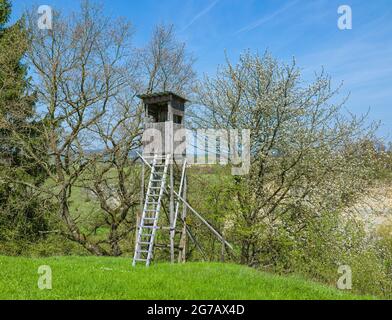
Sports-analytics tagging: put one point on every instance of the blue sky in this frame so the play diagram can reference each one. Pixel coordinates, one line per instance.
(304, 29)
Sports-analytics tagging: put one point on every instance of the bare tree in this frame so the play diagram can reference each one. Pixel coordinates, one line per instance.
(113, 177)
(166, 65)
(84, 70)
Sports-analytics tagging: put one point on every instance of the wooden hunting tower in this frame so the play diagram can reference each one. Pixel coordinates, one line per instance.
(166, 187)
(164, 112)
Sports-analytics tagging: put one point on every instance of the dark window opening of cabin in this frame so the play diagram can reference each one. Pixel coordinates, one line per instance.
(157, 113)
(177, 119)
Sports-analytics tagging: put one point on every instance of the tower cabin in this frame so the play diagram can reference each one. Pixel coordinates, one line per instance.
(163, 111)
(164, 106)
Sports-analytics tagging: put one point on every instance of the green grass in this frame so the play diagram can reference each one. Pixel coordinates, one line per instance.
(114, 278)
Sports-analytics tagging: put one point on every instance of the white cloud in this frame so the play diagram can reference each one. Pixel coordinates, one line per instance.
(267, 18)
(200, 14)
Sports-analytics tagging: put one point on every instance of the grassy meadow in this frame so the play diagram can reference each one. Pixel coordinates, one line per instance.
(115, 278)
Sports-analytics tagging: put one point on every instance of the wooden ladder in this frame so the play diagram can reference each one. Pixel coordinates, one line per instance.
(149, 221)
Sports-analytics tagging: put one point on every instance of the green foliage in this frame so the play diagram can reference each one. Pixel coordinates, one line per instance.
(46, 246)
(209, 192)
(5, 11)
(328, 240)
(23, 215)
(114, 278)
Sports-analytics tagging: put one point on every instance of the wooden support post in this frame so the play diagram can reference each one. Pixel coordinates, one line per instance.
(169, 139)
(223, 252)
(142, 192)
(142, 175)
(182, 253)
(172, 231)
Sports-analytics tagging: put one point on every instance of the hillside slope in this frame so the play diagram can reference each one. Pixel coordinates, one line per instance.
(114, 278)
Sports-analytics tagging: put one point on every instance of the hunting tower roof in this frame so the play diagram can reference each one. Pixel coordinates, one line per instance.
(164, 96)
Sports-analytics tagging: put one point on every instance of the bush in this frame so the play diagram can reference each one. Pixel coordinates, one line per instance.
(315, 250)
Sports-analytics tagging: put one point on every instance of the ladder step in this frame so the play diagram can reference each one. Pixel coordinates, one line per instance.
(147, 218)
(144, 242)
(150, 227)
(152, 202)
(143, 251)
(140, 259)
